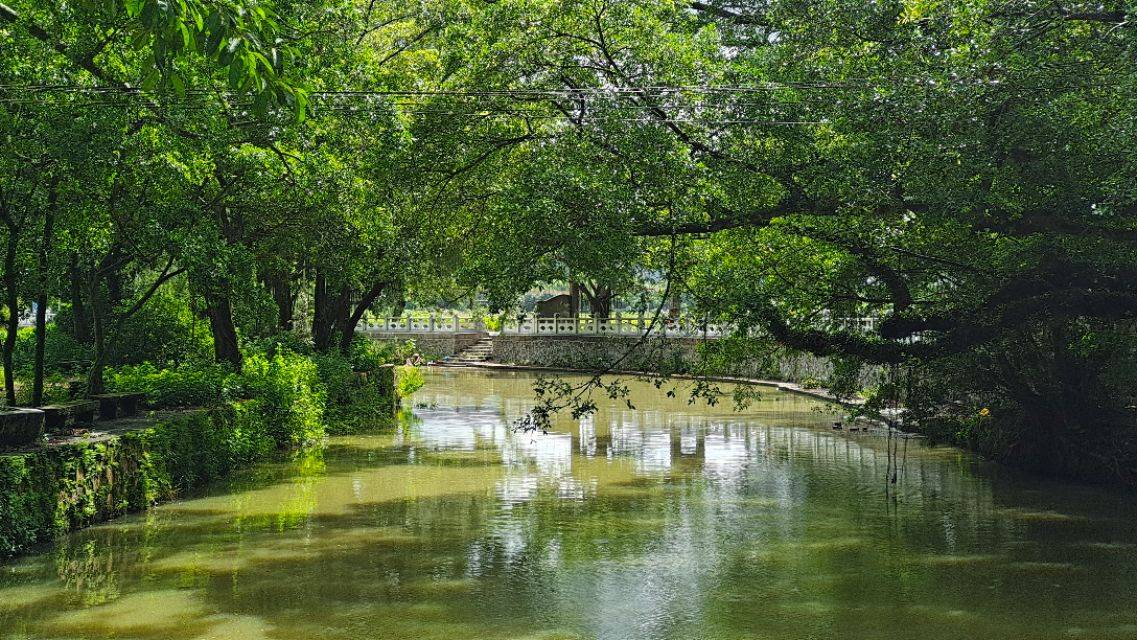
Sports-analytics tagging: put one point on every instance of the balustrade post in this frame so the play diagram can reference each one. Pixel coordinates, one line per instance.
(619, 323)
(643, 327)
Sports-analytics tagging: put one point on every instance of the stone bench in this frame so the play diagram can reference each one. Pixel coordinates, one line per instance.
(118, 405)
(20, 427)
(69, 414)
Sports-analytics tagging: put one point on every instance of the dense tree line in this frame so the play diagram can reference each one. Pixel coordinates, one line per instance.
(152, 146)
(958, 173)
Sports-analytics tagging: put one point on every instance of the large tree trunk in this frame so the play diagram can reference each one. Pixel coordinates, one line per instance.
(280, 286)
(333, 307)
(574, 298)
(226, 349)
(347, 333)
(321, 323)
(95, 383)
(41, 301)
(13, 303)
(599, 301)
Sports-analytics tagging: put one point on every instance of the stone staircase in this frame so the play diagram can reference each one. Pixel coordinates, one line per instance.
(480, 351)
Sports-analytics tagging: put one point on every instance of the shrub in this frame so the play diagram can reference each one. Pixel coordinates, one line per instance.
(368, 355)
(286, 341)
(191, 384)
(290, 396)
(494, 322)
(335, 373)
(408, 380)
(61, 351)
(250, 438)
(164, 331)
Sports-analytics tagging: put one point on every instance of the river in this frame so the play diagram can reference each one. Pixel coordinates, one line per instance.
(668, 520)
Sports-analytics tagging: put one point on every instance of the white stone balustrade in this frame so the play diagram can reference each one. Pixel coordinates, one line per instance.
(618, 324)
(529, 324)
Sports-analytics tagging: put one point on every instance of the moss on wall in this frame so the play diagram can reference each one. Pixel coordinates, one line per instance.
(62, 488)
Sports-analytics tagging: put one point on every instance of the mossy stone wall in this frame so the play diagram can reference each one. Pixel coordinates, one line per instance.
(61, 488)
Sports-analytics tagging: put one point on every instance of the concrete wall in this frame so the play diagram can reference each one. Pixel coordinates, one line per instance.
(663, 355)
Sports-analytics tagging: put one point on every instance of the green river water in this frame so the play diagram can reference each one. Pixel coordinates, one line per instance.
(669, 521)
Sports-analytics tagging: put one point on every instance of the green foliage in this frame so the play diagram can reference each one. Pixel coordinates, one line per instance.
(62, 353)
(336, 374)
(283, 341)
(369, 355)
(55, 490)
(286, 389)
(190, 384)
(164, 331)
(289, 395)
(844, 381)
(408, 379)
(27, 502)
(494, 322)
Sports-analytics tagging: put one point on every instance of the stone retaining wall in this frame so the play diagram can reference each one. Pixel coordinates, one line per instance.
(658, 355)
(58, 488)
(435, 345)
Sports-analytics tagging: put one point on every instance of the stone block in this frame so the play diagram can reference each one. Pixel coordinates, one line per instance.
(20, 427)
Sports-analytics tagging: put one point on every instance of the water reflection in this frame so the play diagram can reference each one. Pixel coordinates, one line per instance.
(670, 521)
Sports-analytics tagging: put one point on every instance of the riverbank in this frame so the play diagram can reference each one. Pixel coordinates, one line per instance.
(275, 404)
(134, 464)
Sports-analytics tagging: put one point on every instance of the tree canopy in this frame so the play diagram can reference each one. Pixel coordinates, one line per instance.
(956, 177)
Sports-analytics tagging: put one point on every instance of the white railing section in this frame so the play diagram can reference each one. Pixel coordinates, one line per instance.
(530, 324)
(618, 324)
(431, 324)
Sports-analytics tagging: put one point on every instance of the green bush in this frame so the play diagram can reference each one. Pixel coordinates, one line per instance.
(494, 322)
(335, 372)
(191, 384)
(408, 380)
(286, 341)
(368, 355)
(60, 355)
(164, 331)
(289, 394)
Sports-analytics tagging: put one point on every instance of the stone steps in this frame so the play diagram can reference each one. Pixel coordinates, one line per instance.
(480, 351)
